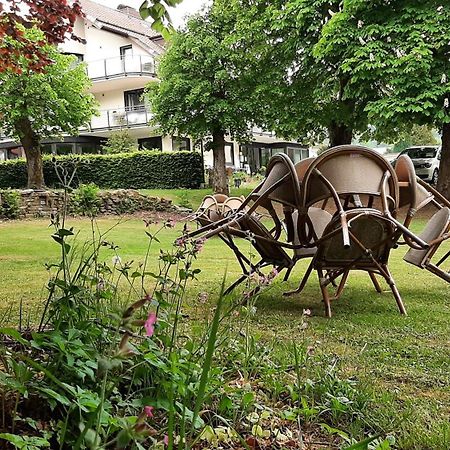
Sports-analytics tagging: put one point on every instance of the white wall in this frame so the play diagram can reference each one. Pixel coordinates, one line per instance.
(103, 44)
(100, 43)
(110, 100)
(72, 46)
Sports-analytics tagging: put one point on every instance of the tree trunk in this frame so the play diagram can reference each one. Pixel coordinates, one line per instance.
(31, 145)
(443, 185)
(220, 179)
(339, 134)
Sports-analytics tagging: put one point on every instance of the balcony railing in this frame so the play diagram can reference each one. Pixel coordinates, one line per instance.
(121, 117)
(121, 66)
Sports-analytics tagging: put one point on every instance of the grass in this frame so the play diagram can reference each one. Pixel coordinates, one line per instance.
(404, 362)
(194, 196)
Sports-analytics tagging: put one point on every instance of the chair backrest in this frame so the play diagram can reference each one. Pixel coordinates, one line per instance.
(232, 204)
(350, 170)
(280, 184)
(302, 166)
(208, 211)
(411, 193)
(437, 226)
(220, 198)
(372, 231)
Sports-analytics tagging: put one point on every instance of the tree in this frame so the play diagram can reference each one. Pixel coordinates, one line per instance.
(55, 19)
(157, 10)
(405, 54)
(37, 105)
(307, 95)
(416, 135)
(205, 89)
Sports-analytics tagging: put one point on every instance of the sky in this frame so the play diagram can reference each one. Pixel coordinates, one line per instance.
(177, 14)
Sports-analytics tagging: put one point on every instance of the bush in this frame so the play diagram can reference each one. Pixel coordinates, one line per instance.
(85, 199)
(9, 204)
(137, 170)
(120, 142)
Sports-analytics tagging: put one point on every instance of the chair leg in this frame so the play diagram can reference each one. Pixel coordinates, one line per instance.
(288, 273)
(302, 283)
(235, 284)
(340, 289)
(325, 295)
(375, 282)
(394, 290)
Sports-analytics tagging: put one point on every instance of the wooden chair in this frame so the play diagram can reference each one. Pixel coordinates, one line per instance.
(360, 186)
(372, 236)
(435, 233)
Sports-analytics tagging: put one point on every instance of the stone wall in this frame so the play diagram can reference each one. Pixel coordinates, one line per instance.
(40, 203)
(117, 202)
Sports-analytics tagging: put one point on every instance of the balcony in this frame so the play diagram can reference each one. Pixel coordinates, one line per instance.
(111, 119)
(127, 72)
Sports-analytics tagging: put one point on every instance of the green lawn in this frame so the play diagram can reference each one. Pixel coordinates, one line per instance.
(194, 196)
(403, 361)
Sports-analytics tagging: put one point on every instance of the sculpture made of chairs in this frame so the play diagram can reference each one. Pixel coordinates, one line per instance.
(340, 210)
(360, 189)
(279, 189)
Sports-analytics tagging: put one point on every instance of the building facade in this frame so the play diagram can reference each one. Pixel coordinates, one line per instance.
(120, 51)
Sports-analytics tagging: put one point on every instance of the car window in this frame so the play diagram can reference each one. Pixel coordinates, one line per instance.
(422, 152)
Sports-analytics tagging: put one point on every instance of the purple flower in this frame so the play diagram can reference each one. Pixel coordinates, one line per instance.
(181, 242)
(199, 243)
(273, 273)
(166, 440)
(148, 411)
(150, 324)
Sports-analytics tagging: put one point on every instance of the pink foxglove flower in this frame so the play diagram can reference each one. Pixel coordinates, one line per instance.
(150, 324)
(166, 440)
(148, 411)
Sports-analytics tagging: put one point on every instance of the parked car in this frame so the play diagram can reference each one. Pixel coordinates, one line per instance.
(426, 159)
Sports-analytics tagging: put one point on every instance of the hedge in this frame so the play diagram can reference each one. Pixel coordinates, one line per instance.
(137, 170)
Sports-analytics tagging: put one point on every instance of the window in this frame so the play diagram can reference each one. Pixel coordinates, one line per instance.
(13, 153)
(297, 154)
(266, 154)
(134, 100)
(126, 50)
(47, 149)
(151, 143)
(229, 154)
(179, 144)
(64, 149)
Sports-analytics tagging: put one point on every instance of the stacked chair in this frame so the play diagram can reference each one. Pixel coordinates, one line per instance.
(339, 210)
(415, 194)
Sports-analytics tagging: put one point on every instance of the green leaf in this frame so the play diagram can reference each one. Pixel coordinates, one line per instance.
(363, 445)
(13, 333)
(50, 393)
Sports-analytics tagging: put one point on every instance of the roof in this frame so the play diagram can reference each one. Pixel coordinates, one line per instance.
(122, 23)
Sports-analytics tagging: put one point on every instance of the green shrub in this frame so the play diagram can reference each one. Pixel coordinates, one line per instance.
(85, 199)
(120, 142)
(137, 170)
(9, 204)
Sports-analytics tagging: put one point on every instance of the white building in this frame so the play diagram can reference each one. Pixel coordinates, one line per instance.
(120, 51)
